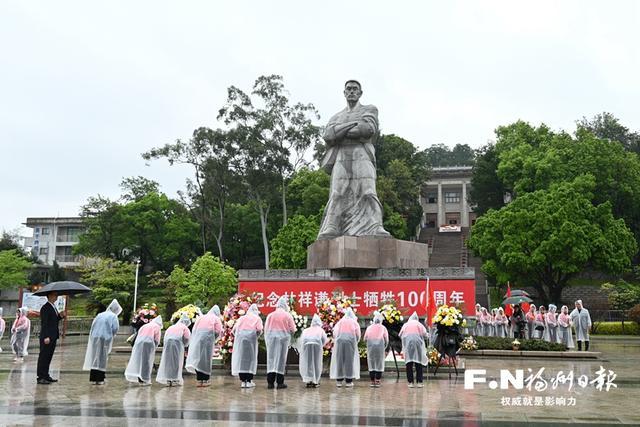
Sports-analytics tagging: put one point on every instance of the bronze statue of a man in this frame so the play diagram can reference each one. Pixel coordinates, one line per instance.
(353, 208)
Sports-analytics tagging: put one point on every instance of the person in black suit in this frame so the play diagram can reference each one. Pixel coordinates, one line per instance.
(49, 334)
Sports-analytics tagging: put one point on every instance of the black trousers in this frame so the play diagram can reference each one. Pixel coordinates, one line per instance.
(201, 376)
(419, 372)
(96, 375)
(375, 375)
(244, 377)
(44, 358)
(273, 377)
(586, 346)
(348, 380)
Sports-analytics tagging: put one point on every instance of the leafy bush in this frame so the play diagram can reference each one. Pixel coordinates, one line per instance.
(615, 328)
(497, 343)
(289, 247)
(209, 281)
(622, 295)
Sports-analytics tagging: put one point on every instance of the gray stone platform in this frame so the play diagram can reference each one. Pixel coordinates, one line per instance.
(379, 274)
(350, 252)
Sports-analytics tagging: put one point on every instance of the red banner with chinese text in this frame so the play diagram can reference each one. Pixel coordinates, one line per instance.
(408, 294)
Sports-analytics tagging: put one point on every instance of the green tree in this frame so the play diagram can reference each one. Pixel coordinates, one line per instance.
(289, 247)
(308, 192)
(209, 281)
(622, 295)
(135, 188)
(607, 126)
(14, 269)
(544, 238)
(441, 155)
(11, 240)
(109, 279)
(259, 159)
(243, 241)
(157, 230)
(487, 190)
(401, 170)
(161, 280)
(210, 153)
(395, 224)
(288, 127)
(536, 158)
(57, 274)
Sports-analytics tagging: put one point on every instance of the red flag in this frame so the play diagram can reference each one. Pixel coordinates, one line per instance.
(508, 310)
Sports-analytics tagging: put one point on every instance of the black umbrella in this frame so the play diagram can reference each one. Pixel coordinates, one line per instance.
(62, 288)
(518, 292)
(517, 299)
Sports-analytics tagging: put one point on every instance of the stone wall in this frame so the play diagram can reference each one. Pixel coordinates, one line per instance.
(592, 297)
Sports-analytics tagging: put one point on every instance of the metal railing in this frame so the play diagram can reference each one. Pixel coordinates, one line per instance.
(67, 258)
(68, 238)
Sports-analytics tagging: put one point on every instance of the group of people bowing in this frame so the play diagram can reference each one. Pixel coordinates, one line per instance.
(278, 330)
(536, 323)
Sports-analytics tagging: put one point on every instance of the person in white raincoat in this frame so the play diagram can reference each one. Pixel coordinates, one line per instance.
(345, 359)
(582, 323)
(205, 333)
(501, 322)
(20, 331)
(103, 329)
(244, 359)
(485, 322)
(565, 335)
(2, 326)
(551, 333)
(176, 338)
(531, 319)
(143, 353)
(377, 338)
(478, 332)
(310, 345)
(278, 329)
(414, 350)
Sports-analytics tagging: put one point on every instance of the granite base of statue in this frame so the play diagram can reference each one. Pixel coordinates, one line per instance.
(366, 252)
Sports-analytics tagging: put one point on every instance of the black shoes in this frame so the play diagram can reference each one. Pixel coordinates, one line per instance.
(52, 380)
(281, 386)
(43, 381)
(270, 386)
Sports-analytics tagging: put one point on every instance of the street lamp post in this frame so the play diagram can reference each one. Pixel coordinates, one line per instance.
(135, 290)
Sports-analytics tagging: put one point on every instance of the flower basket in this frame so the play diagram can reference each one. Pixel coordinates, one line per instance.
(392, 320)
(515, 345)
(192, 311)
(143, 315)
(330, 312)
(236, 307)
(448, 321)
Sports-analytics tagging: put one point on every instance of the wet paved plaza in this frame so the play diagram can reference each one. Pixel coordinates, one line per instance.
(443, 402)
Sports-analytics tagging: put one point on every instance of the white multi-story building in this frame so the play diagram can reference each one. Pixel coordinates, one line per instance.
(444, 198)
(54, 238)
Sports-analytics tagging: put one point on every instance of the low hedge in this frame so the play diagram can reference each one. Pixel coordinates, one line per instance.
(615, 328)
(496, 343)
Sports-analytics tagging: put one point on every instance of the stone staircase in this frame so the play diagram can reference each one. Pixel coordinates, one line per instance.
(450, 250)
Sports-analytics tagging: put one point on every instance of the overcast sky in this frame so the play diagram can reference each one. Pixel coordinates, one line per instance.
(85, 87)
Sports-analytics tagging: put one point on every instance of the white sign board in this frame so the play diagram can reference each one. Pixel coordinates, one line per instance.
(450, 229)
(35, 303)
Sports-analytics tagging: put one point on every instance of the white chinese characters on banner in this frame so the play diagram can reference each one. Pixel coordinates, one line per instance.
(366, 296)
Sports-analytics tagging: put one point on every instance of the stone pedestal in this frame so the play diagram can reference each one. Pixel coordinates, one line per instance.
(355, 253)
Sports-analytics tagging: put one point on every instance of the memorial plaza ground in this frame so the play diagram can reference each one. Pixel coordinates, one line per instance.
(443, 402)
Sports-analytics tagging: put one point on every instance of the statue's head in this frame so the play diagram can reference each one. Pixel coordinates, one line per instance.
(352, 90)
